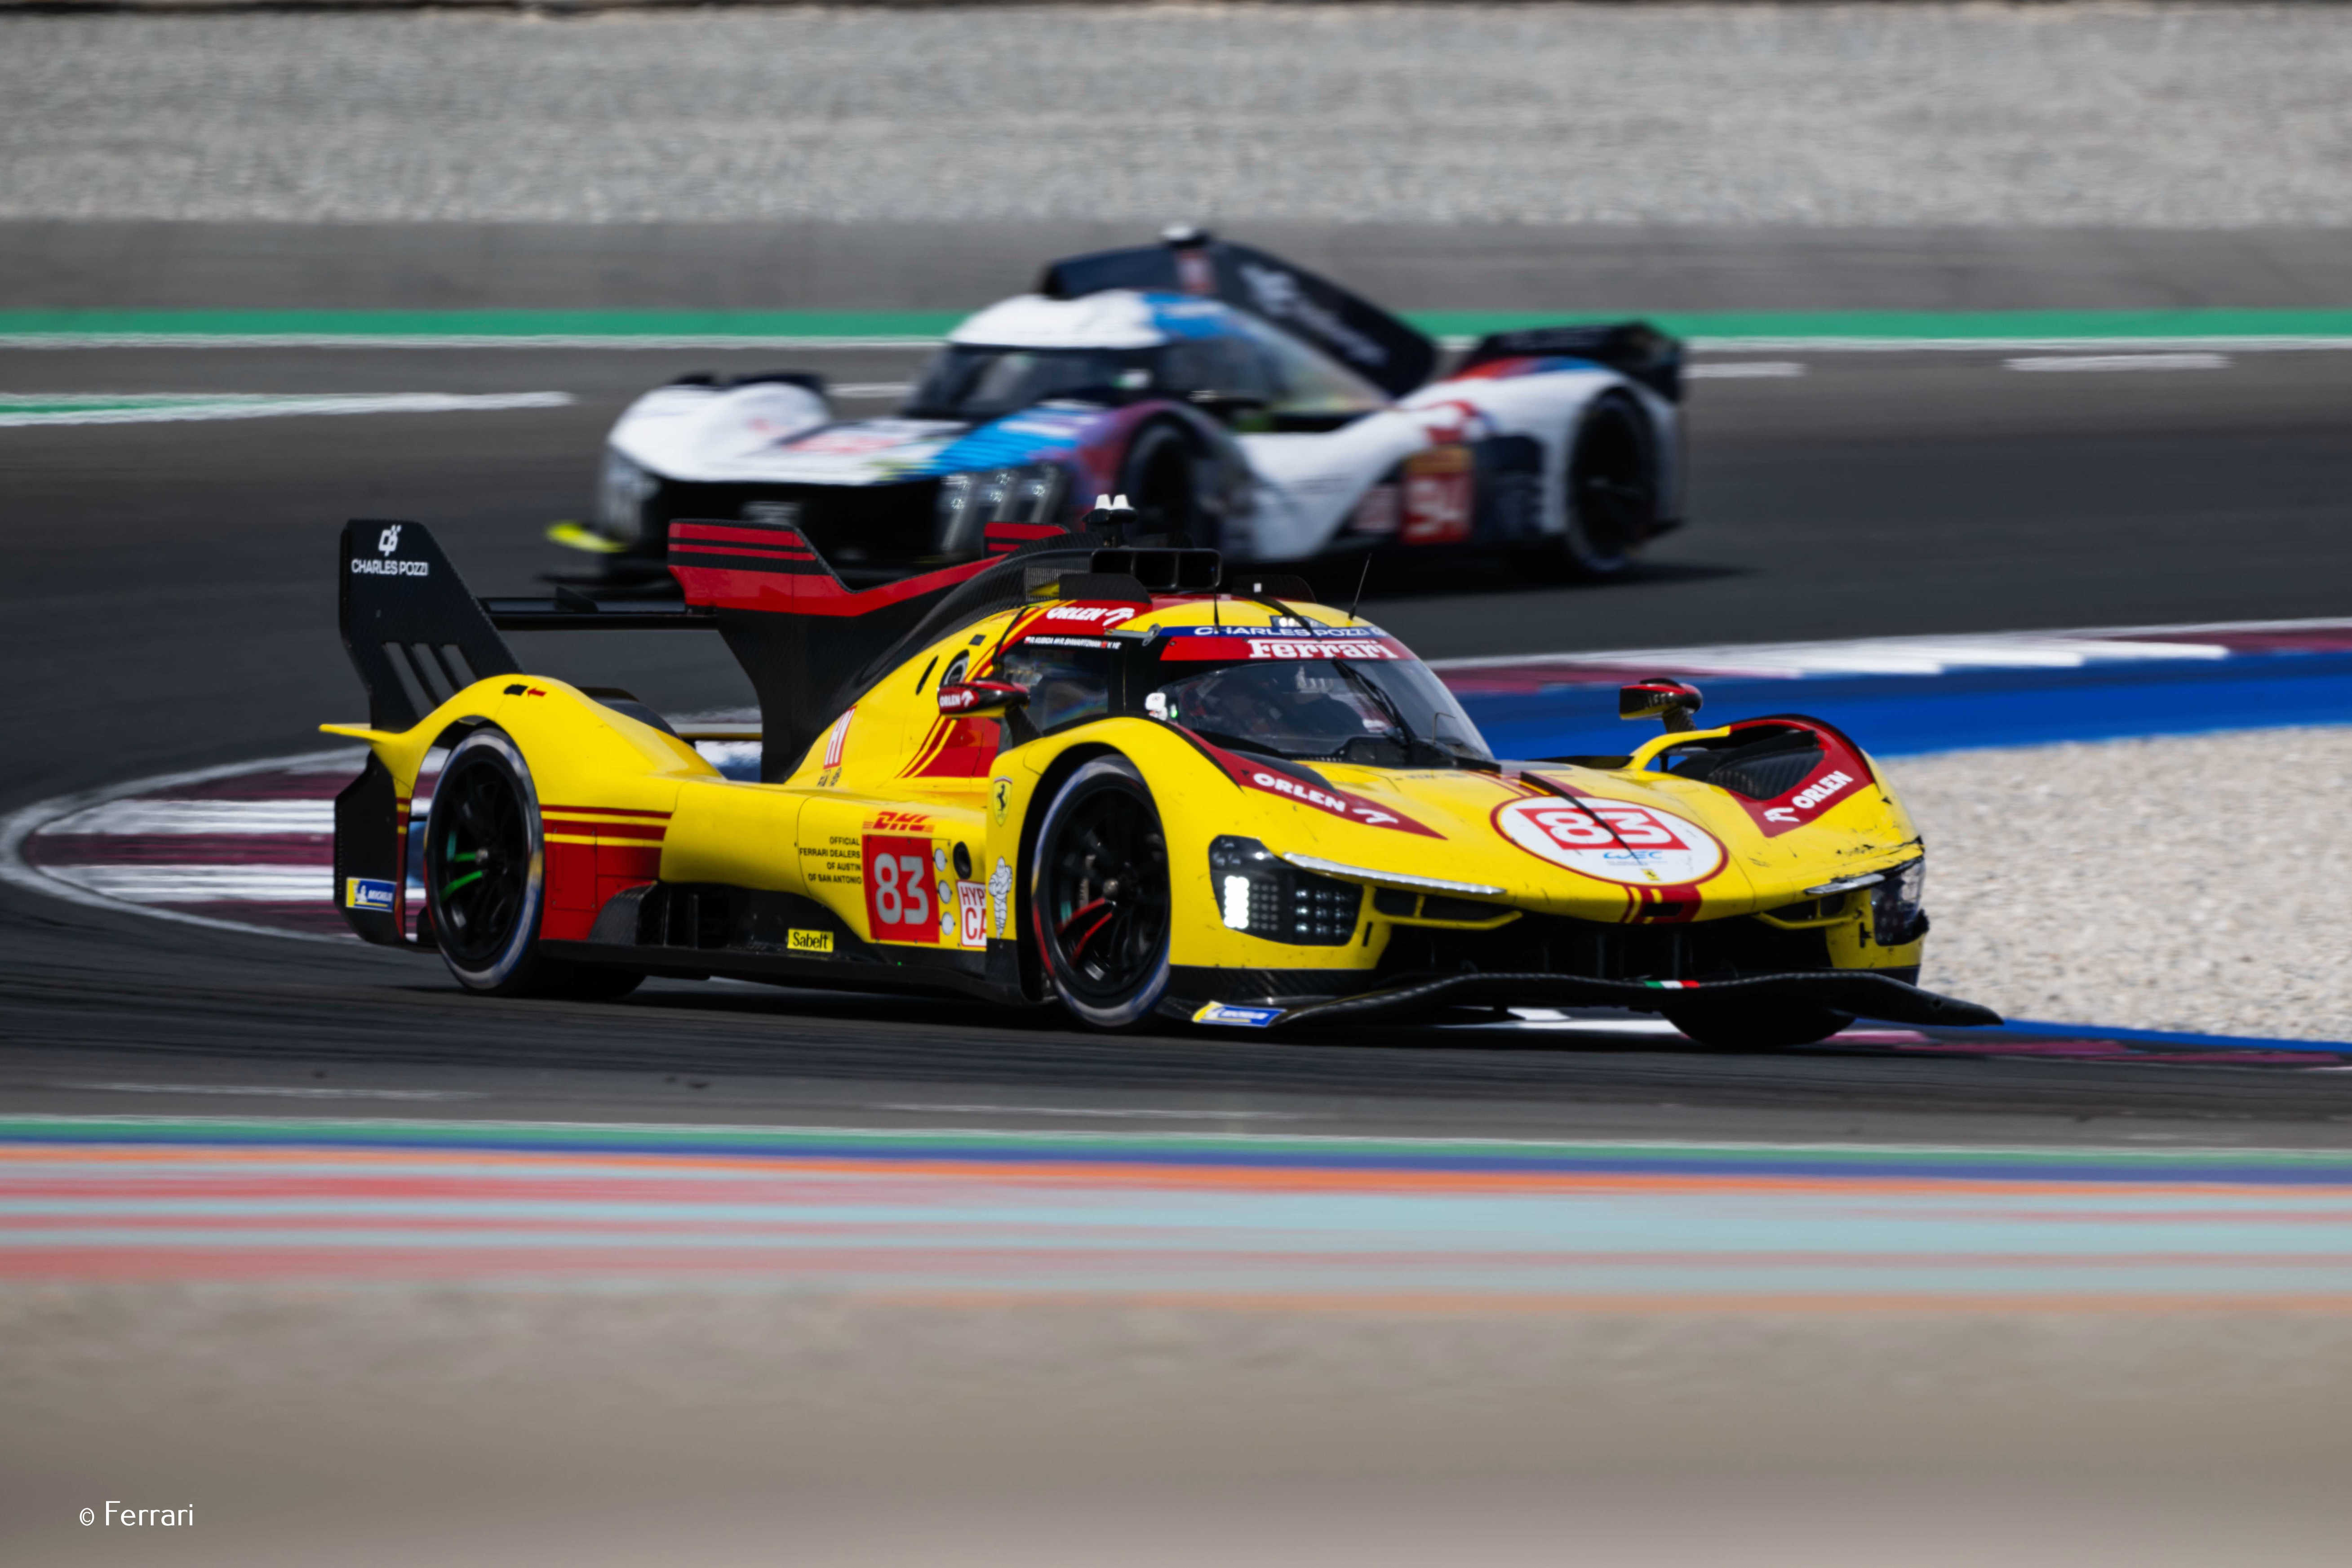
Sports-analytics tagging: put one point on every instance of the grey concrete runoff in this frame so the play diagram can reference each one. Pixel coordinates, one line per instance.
(1911, 116)
(818, 264)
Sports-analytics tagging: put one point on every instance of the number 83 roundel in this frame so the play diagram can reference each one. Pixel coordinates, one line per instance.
(898, 899)
(1614, 840)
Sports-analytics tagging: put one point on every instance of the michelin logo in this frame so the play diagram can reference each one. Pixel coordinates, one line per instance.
(367, 893)
(1236, 1017)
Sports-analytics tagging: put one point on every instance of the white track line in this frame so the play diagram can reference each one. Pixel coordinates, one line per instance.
(2252, 343)
(2121, 362)
(153, 816)
(164, 409)
(1744, 369)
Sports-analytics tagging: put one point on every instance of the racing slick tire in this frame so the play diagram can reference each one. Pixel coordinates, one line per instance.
(1758, 1026)
(1610, 490)
(1099, 895)
(1159, 479)
(486, 878)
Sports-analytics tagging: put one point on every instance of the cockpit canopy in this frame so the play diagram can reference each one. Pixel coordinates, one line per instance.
(1123, 344)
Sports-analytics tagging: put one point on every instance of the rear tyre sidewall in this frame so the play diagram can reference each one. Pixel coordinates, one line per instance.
(1158, 478)
(510, 963)
(1104, 1007)
(1603, 534)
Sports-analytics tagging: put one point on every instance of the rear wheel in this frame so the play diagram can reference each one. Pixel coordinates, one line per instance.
(486, 882)
(1611, 491)
(1758, 1026)
(1098, 895)
(1159, 481)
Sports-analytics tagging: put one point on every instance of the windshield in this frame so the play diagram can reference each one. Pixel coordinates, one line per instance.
(969, 382)
(1381, 709)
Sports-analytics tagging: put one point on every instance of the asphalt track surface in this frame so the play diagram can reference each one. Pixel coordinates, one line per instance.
(169, 605)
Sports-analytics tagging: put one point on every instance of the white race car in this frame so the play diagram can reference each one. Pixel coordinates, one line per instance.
(1244, 405)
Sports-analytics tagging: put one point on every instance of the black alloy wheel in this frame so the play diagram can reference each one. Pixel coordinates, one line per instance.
(480, 859)
(485, 878)
(1100, 896)
(1758, 1026)
(1611, 491)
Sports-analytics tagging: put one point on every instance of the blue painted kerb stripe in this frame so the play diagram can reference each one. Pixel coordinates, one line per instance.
(1897, 715)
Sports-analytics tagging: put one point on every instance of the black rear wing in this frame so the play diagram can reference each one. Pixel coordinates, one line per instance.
(1635, 349)
(1377, 346)
(809, 644)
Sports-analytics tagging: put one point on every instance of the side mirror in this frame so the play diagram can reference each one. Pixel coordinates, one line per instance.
(980, 698)
(1671, 701)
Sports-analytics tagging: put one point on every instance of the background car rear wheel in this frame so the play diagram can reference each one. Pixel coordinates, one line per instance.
(1098, 895)
(486, 883)
(1758, 1026)
(1159, 481)
(1611, 491)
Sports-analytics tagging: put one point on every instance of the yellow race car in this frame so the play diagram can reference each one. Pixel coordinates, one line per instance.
(1093, 774)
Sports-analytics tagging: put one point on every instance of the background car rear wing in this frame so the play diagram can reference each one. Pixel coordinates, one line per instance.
(1633, 349)
(1377, 346)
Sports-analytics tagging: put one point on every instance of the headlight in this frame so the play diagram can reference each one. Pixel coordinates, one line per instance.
(1258, 894)
(621, 499)
(1895, 917)
(970, 502)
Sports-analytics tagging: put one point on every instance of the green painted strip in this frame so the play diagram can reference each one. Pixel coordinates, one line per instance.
(486, 323)
(1956, 326)
(687, 1139)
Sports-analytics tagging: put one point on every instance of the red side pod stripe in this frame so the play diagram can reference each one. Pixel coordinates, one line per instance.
(650, 831)
(602, 811)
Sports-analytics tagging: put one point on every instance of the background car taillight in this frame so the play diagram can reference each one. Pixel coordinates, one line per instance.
(1258, 894)
(970, 502)
(1895, 917)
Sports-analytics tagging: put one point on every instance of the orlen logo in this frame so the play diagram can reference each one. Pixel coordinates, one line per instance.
(1275, 783)
(1104, 616)
(1612, 841)
(1813, 795)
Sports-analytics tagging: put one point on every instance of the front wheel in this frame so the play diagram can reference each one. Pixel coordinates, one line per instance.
(486, 878)
(1758, 1026)
(1099, 898)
